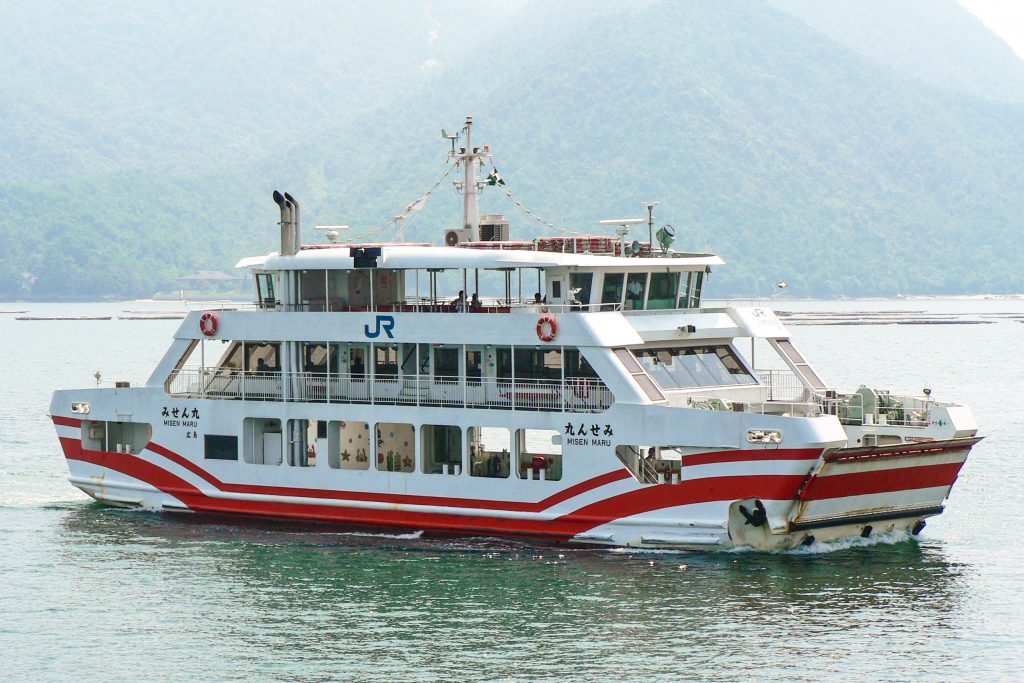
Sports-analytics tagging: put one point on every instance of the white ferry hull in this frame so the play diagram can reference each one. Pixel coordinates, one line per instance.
(804, 497)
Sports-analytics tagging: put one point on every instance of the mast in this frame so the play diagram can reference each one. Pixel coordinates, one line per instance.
(469, 157)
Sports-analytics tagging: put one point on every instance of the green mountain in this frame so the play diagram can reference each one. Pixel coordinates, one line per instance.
(764, 139)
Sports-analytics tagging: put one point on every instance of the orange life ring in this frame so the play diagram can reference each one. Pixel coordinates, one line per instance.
(208, 324)
(547, 328)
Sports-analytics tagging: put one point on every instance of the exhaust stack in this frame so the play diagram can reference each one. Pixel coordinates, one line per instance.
(288, 227)
(296, 225)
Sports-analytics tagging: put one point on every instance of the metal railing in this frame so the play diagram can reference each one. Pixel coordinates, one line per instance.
(573, 394)
(780, 385)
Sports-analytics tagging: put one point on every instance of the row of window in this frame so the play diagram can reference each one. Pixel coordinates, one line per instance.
(440, 360)
(694, 366)
(495, 452)
(640, 291)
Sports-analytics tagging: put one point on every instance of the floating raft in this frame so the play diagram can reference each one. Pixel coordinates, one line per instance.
(66, 317)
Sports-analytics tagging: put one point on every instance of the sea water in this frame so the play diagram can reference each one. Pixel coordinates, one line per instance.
(89, 593)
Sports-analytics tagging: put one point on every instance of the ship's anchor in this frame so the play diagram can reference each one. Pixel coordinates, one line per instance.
(756, 518)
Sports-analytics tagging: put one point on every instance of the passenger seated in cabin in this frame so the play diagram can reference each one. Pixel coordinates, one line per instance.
(261, 365)
(460, 302)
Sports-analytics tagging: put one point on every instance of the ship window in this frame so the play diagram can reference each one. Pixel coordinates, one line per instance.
(348, 445)
(337, 290)
(538, 363)
(474, 366)
(540, 454)
(119, 437)
(663, 291)
(489, 451)
(387, 288)
(636, 285)
(689, 294)
(611, 291)
(261, 441)
(218, 447)
(305, 442)
(265, 290)
(579, 287)
(314, 357)
(385, 360)
(232, 359)
(442, 449)
(576, 365)
(356, 362)
(446, 361)
(313, 290)
(262, 356)
(503, 355)
(396, 447)
(684, 368)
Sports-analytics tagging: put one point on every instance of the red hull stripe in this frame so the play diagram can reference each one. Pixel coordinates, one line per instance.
(512, 506)
(66, 421)
(881, 481)
(565, 526)
(744, 456)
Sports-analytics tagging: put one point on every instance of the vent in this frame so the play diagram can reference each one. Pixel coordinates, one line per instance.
(494, 228)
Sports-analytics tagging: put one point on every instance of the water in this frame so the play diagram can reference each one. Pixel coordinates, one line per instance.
(89, 593)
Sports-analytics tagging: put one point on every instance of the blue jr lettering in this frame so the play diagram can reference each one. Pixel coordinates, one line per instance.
(384, 323)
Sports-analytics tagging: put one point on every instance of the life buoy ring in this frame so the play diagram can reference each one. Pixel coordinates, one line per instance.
(208, 324)
(547, 328)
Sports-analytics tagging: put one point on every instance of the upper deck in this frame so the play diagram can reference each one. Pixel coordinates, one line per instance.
(477, 277)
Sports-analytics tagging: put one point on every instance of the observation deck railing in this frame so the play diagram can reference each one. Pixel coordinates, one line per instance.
(572, 394)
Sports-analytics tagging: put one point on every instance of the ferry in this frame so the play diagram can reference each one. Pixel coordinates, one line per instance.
(574, 388)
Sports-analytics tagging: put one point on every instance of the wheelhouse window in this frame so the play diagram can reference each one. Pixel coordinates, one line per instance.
(579, 288)
(265, 290)
(663, 291)
(636, 286)
(611, 291)
(689, 293)
(689, 367)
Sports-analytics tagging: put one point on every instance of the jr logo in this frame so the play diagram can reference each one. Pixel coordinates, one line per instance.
(385, 323)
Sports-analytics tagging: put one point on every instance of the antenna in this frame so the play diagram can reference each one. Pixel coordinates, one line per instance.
(650, 221)
(623, 224)
(331, 232)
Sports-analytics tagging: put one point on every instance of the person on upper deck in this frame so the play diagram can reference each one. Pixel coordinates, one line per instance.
(460, 302)
(474, 302)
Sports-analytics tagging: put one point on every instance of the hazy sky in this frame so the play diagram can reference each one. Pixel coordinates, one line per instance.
(1004, 17)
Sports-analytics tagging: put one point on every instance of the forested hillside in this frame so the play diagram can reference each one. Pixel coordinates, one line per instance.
(764, 139)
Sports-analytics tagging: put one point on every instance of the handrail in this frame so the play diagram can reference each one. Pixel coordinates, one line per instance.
(573, 394)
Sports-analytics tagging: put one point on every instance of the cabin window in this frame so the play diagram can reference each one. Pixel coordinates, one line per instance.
(219, 447)
(689, 293)
(538, 363)
(663, 291)
(233, 357)
(348, 445)
(701, 366)
(265, 290)
(337, 290)
(262, 356)
(474, 366)
(396, 447)
(313, 290)
(503, 359)
(261, 441)
(315, 357)
(387, 288)
(576, 365)
(442, 449)
(385, 360)
(489, 452)
(446, 362)
(636, 286)
(580, 286)
(540, 454)
(556, 289)
(306, 439)
(119, 437)
(356, 357)
(611, 291)
(359, 290)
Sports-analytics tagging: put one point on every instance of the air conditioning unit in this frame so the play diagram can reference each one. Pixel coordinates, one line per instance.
(454, 236)
(493, 228)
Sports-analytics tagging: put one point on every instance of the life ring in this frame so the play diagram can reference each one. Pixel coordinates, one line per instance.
(208, 324)
(547, 328)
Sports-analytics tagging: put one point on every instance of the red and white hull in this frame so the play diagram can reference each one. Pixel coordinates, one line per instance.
(805, 494)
